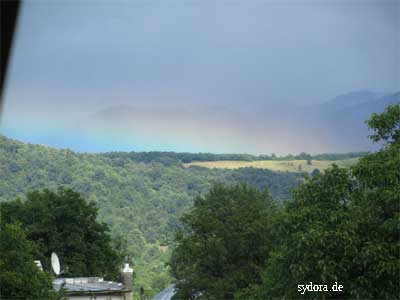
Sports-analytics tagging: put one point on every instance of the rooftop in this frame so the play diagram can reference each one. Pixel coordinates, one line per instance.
(83, 285)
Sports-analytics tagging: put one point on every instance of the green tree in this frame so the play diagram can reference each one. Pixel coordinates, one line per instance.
(386, 126)
(224, 242)
(65, 223)
(315, 240)
(342, 226)
(376, 212)
(20, 277)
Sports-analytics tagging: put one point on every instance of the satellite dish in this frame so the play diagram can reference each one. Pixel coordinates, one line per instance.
(55, 263)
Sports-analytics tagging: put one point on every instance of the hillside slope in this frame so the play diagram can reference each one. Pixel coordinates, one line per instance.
(141, 201)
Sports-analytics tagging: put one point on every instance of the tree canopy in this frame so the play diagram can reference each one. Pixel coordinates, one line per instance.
(386, 126)
(20, 277)
(64, 222)
(223, 243)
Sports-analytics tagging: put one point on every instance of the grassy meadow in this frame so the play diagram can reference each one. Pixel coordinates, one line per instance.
(275, 165)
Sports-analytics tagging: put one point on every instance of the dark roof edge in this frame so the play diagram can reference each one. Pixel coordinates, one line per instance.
(96, 292)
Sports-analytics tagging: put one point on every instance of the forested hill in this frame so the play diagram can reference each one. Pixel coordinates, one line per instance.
(142, 199)
(140, 195)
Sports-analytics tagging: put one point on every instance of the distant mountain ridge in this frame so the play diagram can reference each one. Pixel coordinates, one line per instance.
(334, 126)
(342, 120)
(337, 125)
(353, 98)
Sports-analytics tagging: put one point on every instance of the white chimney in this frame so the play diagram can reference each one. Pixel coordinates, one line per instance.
(127, 269)
(127, 279)
(39, 264)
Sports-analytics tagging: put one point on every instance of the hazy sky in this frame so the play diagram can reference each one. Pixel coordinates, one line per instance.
(73, 59)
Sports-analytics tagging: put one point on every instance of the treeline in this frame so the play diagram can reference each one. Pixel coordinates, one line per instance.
(170, 158)
(173, 158)
(338, 156)
(340, 228)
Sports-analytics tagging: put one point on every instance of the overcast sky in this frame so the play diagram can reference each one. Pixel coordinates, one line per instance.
(73, 58)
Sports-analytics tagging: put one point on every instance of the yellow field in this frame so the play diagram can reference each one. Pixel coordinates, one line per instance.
(281, 165)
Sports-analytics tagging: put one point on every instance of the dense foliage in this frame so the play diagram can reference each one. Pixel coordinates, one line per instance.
(223, 244)
(63, 222)
(342, 226)
(20, 277)
(316, 239)
(140, 201)
(377, 211)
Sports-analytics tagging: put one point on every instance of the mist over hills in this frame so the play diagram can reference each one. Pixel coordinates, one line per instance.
(337, 125)
(333, 126)
(353, 98)
(340, 123)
